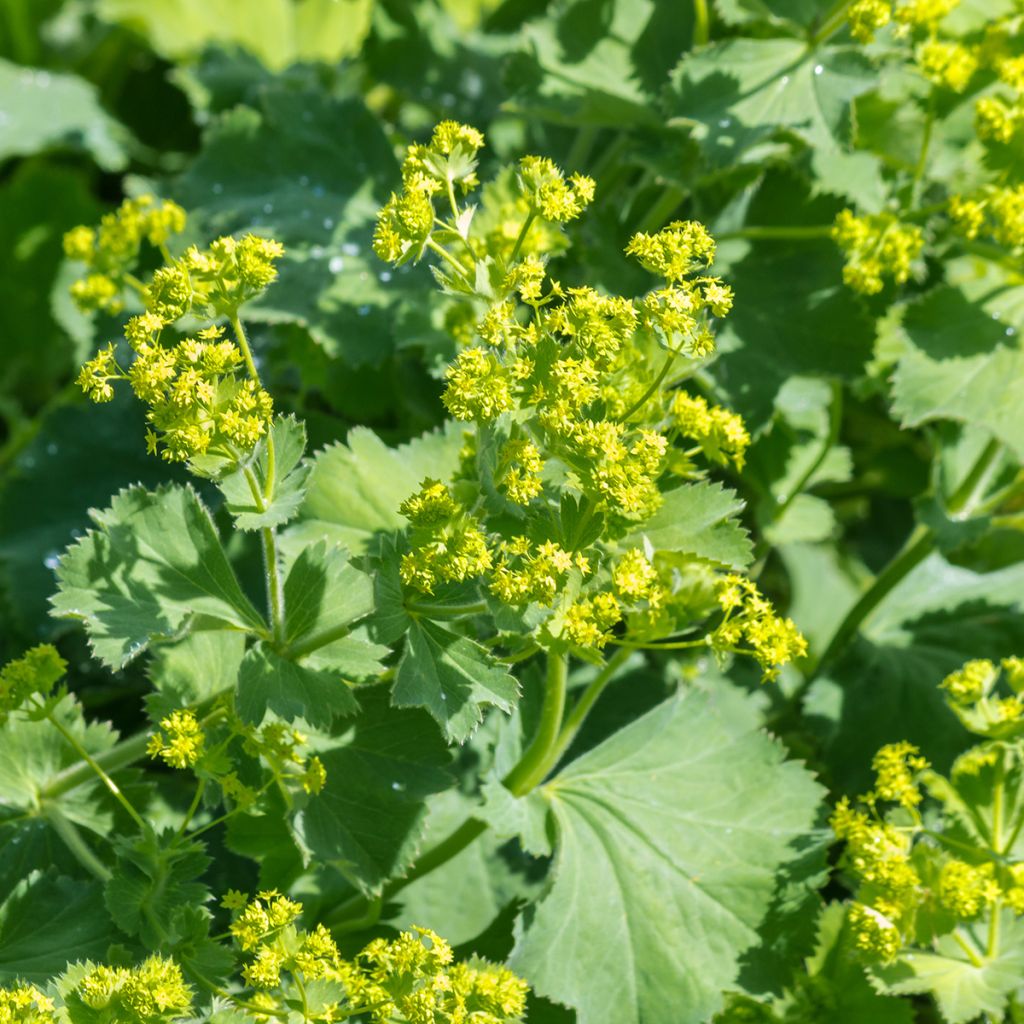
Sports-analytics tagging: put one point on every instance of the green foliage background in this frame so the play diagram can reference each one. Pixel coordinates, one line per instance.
(867, 416)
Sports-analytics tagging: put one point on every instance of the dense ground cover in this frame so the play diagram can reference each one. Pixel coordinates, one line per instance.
(511, 511)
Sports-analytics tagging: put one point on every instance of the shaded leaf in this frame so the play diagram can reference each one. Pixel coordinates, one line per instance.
(153, 561)
(369, 820)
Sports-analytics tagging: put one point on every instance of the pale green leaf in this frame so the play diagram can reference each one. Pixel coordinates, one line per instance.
(963, 991)
(324, 593)
(194, 670)
(517, 817)
(279, 32)
(268, 682)
(289, 485)
(962, 359)
(453, 677)
(153, 561)
(698, 519)
(672, 836)
(47, 922)
(369, 820)
(50, 110)
(32, 757)
(355, 488)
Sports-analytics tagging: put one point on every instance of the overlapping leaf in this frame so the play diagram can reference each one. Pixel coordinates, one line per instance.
(672, 835)
(153, 561)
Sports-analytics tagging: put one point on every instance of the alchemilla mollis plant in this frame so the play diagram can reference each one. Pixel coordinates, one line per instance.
(512, 512)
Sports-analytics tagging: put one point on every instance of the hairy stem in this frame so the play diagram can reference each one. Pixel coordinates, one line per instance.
(522, 236)
(576, 717)
(121, 755)
(537, 759)
(834, 21)
(94, 765)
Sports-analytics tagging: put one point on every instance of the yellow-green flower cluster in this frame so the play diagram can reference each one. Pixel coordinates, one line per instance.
(520, 468)
(525, 573)
(282, 749)
(200, 401)
(866, 17)
(751, 625)
(413, 978)
(721, 433)
(111, 249)
(151, 993)
(918, 872)
(25, 1004)
(36, 672)
(878, 854)
(675, 252)
(996, 211)
(967, 889)
(897, 766)
(876, 247)
(405, 223)
(589, 620)
(948, 64)
(999, 117)
(179, 741)
(447, 542)
(549, 193)
(972, 694)
(564, 386)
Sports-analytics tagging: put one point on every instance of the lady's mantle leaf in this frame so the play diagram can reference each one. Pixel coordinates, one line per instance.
(369, 819)
(154, 560)
(672, 835)
(289, 479)
(964, 992)
(699, 519)
(355, 488)
(268, 682)
(46, 922)
(451, 676)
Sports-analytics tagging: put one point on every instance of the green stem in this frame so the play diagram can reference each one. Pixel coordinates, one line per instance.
(922, 160)
(451, 200)
(522, 235)
(73, 840)
(997, 808)
(663, 207)
(446, 611)
(833, 22)
(673, 353)
(656, 645)
(445, 254)
(992, 946)
(835, 423)
(243, 344)
(537, 761)
(972, 953)
(117, 757)
(111, 785)
(576, 717)
(918, 546)
(275, 589)
(701, 23)
(769, 232)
